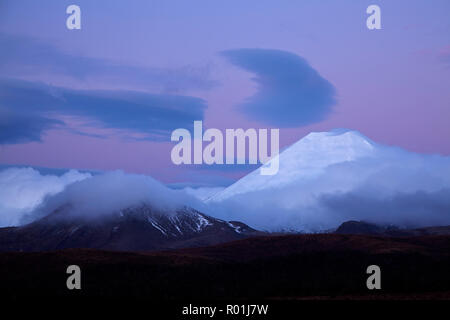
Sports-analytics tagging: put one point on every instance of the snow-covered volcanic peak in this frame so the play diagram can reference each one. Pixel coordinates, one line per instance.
(327, 178)
(305, 159)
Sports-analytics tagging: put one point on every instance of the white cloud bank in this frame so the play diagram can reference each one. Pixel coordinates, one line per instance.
(113, 191)
(23, 189)
(26, 194)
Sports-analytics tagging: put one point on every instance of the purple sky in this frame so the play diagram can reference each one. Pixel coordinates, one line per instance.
(392, 85)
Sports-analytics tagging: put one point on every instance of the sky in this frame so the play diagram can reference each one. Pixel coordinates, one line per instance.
(108, 96)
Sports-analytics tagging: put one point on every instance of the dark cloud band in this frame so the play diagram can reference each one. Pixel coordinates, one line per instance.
(28, 109)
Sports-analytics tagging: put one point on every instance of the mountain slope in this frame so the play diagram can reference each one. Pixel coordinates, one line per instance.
(327, 178)
(304, 160)
(137, 228)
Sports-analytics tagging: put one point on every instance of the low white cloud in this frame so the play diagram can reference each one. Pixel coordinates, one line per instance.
(27, 195)
(23, 189)
(111, 192)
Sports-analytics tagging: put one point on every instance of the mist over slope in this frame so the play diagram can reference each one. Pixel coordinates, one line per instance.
(27, 195)
(23, 189)
(112, 192)
(327, 178)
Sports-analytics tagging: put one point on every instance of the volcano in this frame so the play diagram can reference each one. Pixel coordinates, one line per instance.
(139, 228)
(327, 178)
(305, 160)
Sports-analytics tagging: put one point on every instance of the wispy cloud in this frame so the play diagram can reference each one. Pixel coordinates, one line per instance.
(28, 109)
(290, 92)
(22, 56)
(16, 127)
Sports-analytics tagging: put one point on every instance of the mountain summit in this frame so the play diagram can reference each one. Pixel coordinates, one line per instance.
(327, 178)
(304, 160)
